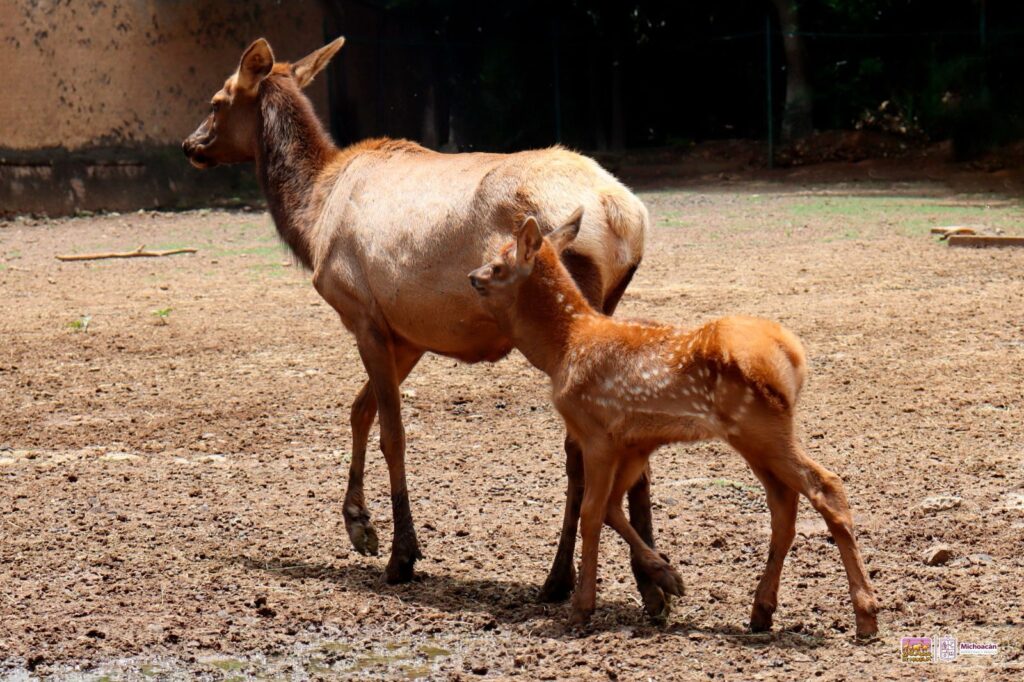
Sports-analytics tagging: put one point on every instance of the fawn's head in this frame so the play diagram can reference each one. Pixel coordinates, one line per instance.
(228, 134)
(499, 281)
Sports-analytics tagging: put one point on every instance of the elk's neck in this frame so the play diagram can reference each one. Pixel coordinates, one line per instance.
(548, 307)
(292, 149)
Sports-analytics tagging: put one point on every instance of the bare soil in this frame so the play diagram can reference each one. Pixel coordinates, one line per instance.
(174, 440)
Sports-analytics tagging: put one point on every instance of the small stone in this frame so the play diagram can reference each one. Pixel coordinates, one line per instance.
(937, 555)
(938, 503)
(119, 457)
(210, 459)
(980, 559)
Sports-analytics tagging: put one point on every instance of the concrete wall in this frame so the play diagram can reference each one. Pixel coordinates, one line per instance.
(98, 95)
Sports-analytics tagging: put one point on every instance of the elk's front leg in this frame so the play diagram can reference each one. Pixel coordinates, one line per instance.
(559, 583)
(377, 351)
(360, 529)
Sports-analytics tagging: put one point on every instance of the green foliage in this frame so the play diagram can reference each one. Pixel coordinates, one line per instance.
(81, 324)
(163, 314)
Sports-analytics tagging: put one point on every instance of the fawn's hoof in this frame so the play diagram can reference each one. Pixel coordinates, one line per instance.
(761, 618)
(666, 577)
(657, 607)
(555, 590)
(362, 535)
(867, 626)
(579, 617)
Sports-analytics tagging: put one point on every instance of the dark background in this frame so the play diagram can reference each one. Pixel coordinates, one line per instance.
(602, 75)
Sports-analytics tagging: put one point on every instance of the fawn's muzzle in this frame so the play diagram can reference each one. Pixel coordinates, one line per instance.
(479, 280)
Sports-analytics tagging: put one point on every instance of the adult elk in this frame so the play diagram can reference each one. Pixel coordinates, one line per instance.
(626, 388)
(389, 230)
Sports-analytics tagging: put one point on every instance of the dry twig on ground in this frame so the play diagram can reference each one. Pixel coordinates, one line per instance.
(137, 253)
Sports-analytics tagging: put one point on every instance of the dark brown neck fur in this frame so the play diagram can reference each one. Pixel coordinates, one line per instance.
(292, 149)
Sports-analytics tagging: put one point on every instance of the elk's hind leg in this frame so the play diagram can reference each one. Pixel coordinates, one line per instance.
(782, 502)
(360, 529)
(826, 494)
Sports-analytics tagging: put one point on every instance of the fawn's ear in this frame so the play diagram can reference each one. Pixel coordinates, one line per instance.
(257, 61)
(563, 236)
(313, 63)
(528, 241)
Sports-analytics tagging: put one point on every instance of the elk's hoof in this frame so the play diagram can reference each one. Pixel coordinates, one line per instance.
(399, 571)
(363, 536)
(761, 618)
(556, 590)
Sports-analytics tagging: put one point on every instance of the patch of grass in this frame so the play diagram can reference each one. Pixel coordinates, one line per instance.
(227, 664)
(336, 647)
(431, 651)
(268, 250)
(81, 324)
(416, 672)
(729, 483)
(170, 246)
(374, 660)
(163, 314)
(263, 270)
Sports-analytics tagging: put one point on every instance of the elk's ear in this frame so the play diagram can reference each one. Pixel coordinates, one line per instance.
(257, 61)
(528, 241)
(313, 63)
(563, 236)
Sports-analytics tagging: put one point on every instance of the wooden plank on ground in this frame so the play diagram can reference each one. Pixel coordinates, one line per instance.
(977, 242)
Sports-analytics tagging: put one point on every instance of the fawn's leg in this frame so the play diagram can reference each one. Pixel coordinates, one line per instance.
(559, 583)
(377, 351)
(587, 276)
(360, 529)
(598, 475)
(654, 566)
(656, 604)
(782, 501)
(826, 494)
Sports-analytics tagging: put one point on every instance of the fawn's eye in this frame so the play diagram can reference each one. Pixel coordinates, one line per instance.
(498, 269)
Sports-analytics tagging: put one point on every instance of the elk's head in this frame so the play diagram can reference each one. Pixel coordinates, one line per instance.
(228, 134)
(498, 282)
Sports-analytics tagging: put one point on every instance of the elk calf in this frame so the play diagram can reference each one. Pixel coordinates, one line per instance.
(625, 388)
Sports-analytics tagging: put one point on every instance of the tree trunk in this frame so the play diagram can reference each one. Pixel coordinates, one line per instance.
(796, 118)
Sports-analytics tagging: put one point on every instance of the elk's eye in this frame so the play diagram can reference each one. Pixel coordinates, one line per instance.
(214, 107)
(498, 269)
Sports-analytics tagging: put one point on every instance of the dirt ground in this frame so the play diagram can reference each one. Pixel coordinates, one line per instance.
(174, 440)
